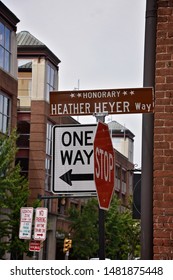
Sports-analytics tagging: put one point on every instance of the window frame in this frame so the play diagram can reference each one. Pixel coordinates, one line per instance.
(5, 47)
(48, 159)
(5, 113)
(50, 80)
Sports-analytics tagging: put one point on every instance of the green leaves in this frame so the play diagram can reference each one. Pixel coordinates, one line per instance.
(122, 233)
(85, 226)
(13, 195)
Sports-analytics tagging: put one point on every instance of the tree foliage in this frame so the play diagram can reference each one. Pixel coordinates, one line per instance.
(13, 195)
(122, 233)
(85, 228)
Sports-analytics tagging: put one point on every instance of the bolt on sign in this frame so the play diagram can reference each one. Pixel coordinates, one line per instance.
(110, 101)
(72, 159)
(26, 215)
(40, 225)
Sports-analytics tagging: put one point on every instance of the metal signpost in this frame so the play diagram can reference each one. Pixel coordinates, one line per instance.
(73, 159)
(26, 215)
(104, 174)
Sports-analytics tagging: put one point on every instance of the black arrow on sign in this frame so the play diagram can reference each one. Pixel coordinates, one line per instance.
(68, 177)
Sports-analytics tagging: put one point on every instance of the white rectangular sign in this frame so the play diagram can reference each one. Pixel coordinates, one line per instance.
(26, 215)
(72, 159)
(40, 225)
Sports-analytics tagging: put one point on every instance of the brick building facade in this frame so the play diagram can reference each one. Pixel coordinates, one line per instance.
(163, 134)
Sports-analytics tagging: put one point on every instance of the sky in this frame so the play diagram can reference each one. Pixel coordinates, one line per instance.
(100, 44)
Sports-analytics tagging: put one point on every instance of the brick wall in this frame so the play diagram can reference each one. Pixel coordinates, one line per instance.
(163, 135)
(37, 148)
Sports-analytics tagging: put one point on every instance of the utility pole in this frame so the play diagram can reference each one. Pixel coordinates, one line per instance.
(147, 136)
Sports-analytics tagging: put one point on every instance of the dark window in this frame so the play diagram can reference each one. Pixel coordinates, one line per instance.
(23, 130)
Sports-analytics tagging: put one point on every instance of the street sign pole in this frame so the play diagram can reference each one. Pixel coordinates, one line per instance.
(101, 234)
(101, 117)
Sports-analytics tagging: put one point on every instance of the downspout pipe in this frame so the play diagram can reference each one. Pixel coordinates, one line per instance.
(148, 135)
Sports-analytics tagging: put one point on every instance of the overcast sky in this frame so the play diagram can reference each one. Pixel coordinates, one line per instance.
(100, 44)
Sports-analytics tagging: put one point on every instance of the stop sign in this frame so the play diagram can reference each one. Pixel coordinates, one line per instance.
(104, 166)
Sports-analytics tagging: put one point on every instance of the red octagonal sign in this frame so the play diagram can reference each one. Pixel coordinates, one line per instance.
(104, 166)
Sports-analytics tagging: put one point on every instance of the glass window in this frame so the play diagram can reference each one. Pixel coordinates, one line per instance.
(24, 91)
(24, 164)
(23, 131)
(5, 43)
(1, 56)
(24, 87)
(7, 39)
(50, 81)
(2, 34)
(124, 178)
(48, 157)
(48, 139)
(4, 113)
(7, 61)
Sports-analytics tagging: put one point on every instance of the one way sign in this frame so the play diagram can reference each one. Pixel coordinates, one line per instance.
(73, 159)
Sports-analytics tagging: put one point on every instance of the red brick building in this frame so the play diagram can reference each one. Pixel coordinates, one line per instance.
(163, 134)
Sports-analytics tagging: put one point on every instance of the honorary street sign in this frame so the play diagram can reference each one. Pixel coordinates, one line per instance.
(40, 225)
(26, 214)
(110, 101)
(72, 158)
(104, 165)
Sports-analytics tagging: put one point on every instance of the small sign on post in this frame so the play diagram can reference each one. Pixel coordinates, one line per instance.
(26, 215)
(40, 225)
(35, 246)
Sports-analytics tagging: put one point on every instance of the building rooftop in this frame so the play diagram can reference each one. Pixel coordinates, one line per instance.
(24, 38)
(8, 16)
(120, 129)
(116, 126)
(29, 46)
(25, 66)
